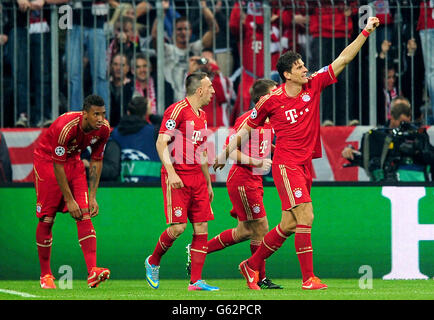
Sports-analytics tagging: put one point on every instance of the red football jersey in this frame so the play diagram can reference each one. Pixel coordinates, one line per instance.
(188, 131)
(65, 139)
(259, 144)
(295, 120)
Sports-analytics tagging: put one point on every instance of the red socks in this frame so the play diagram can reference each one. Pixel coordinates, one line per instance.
(222, 240)
(272, 241)
(199, 250)
(303, 248)
(43, 241)
(87, 241)
(164, 243)
(254, 246)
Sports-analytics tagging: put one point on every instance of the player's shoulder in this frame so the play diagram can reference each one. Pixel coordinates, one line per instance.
(174, 110)
(326, 69)
(271, 97)
(66, 124)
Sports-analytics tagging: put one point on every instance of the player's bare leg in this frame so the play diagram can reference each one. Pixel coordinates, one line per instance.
(303, 214)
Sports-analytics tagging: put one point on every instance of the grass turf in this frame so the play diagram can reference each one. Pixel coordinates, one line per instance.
(230, 289)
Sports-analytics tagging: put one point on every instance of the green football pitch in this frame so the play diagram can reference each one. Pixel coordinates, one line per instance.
(230, 289)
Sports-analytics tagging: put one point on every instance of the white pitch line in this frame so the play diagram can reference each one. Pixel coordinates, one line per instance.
(22, 294)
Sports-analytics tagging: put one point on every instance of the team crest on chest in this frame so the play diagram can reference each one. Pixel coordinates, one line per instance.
(94, 140)
(305, 96)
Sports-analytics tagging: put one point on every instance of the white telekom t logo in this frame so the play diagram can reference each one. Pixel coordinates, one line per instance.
(291, 115)
(406, 232)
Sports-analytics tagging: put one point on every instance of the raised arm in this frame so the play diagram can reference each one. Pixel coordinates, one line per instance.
(207, 39)
(349, 53)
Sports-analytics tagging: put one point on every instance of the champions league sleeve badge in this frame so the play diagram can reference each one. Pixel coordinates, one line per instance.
(170, 124)
(254, 114)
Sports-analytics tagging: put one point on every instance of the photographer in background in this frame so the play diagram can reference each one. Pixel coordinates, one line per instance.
(400, 151)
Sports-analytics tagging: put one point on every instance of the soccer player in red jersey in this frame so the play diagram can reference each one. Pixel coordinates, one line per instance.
(245, 188)
(293, 110)
(61, 184)
(185, 179)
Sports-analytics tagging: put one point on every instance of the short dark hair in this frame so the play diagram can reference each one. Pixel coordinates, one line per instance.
(93, 100)
(286, 61)
(142, 56)
(193, 82)
(123, 55)
(399, 109)
(260, 88)
(138, 106)
(181, 19)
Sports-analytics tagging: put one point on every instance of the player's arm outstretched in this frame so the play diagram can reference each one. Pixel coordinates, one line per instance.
(175, 181)
(349, 53)
(239, 157)
(242, 135)
(71, 204)
(95, 169)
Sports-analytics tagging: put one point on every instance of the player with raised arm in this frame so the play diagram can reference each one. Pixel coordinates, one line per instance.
(185, 179)
(61, 184)
(293, 110)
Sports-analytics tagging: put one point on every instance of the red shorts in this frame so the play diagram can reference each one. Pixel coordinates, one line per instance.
(293, 183)
(49, 197)
(246, 196)
(190, 201)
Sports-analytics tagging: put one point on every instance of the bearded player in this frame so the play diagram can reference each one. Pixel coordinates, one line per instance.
(293, 110)
(185, 179)
(61, 184)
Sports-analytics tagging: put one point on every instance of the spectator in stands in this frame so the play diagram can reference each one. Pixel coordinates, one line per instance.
(224, 42)
(334, 30)
(87, 35)
(30, 37)
(386, 83)
(249, 20)
(177, 54)
(137, 137)
(217, 111)
(121, 87)
(387, 74)
(426, 30)
(126, 39)
(145, 84)
(384, 13)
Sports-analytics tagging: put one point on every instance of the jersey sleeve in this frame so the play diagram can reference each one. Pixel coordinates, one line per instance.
(259, 113)
(171, 120)
(323, 78)
(62, 134)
